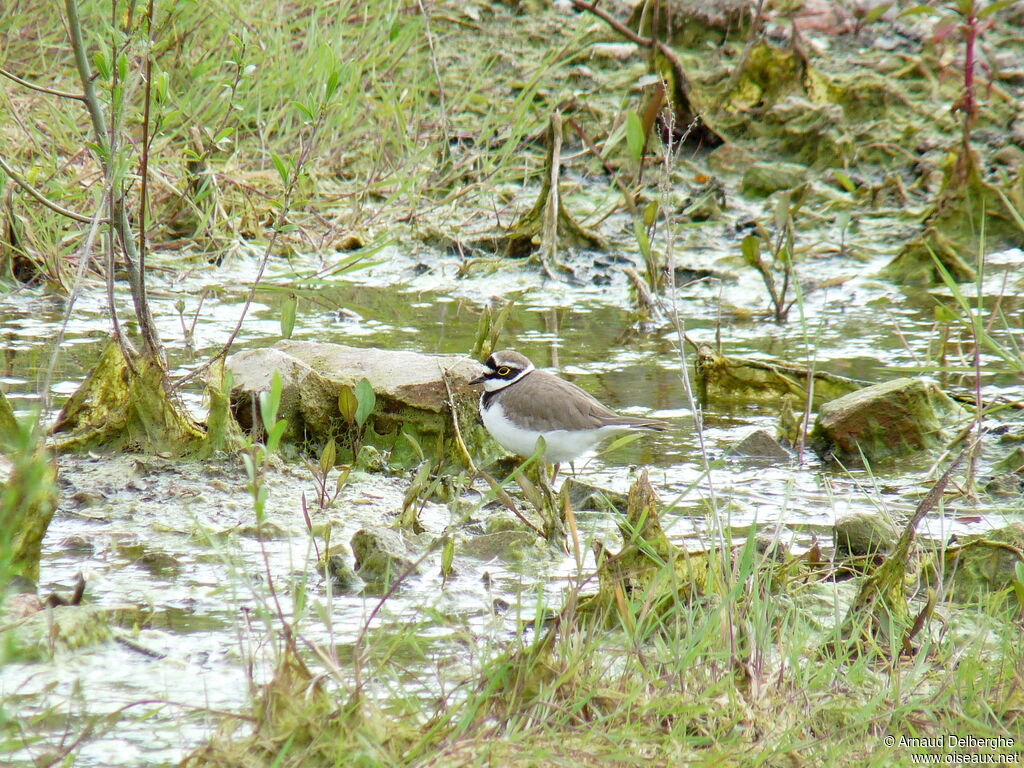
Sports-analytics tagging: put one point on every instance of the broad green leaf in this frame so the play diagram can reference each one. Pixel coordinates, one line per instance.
(161, 86)
(328, 456)
(447, 557)
(845, 180)
(876, 13)
(288, 307)
(918, 10)
(642, 240)
(347, 404)
(270, 400)
(332, 85)
(275, 434)
(102, 64)
(843, 219)
(260, 503)
(634, 135)
(750, 247)
(342, 479)
(621, 442)
(988, 10)
(782, 210)
(281, 166)
(250, 467)
(366, 399)
(650, 213)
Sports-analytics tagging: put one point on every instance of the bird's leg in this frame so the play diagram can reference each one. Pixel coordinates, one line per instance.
(554, 472)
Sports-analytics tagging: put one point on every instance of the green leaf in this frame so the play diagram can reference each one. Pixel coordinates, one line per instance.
(874, 14)
(303, 110)
(642, 240)
(161, 85)
(750, 247)
(988, 10)
(122, 67)
(621, 442)
(845, 180)
(288, 307)
(366, 399)
(342, 479)
(332, 85)
(102, 64)
(347, 404)
(275, 434)
(782, 210)
(634, 135)
(650, 213)
(328, 456)
(917, 10)
(270, 401)
(282, 167)
(843, 219)
(250, 467)
(260, 504)
(447, 557)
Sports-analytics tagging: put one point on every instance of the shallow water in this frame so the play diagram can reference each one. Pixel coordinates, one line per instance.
(179, 540)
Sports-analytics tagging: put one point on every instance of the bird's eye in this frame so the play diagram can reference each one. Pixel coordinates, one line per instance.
(504, 370)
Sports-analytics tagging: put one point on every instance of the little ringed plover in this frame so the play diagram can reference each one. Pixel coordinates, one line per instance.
(520, 404)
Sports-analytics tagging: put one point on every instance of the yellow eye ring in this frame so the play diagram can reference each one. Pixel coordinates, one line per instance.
(504, 370)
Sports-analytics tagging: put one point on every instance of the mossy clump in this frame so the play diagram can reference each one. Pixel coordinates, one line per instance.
(125, 404)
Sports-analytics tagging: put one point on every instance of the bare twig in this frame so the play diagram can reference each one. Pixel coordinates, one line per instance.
(612, 22)
(40, 88)
(18, 179)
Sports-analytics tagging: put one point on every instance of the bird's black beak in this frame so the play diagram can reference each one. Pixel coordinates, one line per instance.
(478, 380)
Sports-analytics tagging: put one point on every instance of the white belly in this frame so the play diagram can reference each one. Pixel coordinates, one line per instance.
(562, 444)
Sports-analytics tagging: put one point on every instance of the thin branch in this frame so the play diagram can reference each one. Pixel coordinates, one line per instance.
(144, 161)
(92, 103)
(40, 197)
(41, 88)
(614, 23)
(118, 214)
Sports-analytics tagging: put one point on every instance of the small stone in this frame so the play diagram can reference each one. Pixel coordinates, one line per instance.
(381, 555)
(864, 533)
(761, 445)
(891, 420)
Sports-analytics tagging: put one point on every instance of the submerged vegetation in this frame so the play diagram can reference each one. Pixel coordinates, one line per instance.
(190, 171)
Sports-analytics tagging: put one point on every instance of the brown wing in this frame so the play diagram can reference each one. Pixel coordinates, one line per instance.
(550, 400)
